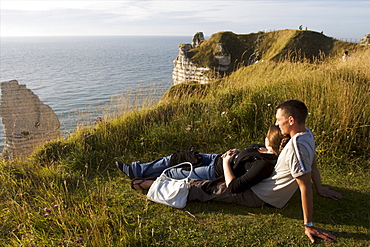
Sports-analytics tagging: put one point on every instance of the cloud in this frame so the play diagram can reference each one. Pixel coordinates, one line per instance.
(42, 5)
(104, 17)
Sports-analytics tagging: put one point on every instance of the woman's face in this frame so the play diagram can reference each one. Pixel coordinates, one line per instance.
(267, 149)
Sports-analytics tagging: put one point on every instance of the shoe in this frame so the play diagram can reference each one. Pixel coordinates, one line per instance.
(140, 183)
(126, 169)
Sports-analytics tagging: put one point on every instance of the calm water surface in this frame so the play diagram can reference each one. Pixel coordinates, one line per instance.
(75, 74)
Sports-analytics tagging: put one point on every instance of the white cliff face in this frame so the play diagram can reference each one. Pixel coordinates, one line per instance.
(223, 57)
(365, 40)
(27, 121)
(185, 70)
(198, 38)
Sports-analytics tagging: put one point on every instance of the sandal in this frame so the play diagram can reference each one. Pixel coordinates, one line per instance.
(142, 180)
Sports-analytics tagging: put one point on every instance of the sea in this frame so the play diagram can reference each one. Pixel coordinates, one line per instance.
(75, 76)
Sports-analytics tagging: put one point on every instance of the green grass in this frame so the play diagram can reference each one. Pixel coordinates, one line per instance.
(279, 45)
(94, 201)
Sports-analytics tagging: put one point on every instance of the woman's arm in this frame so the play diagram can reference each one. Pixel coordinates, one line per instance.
(259, 170)
(228, 174)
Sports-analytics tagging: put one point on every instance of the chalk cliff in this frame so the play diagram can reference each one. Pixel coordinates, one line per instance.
(365, 40)
(27, 121)
(187, 70)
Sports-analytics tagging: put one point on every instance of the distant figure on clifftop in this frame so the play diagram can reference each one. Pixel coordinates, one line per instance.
(300, 27)
(345, 56)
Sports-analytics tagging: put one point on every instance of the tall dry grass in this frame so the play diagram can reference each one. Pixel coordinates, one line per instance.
(337, 94)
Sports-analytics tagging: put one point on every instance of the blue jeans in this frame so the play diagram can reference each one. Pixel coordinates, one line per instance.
(155, 168)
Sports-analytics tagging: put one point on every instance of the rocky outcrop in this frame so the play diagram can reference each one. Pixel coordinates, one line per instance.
(198, 38)
(186, 70)
(365, 40)
(27, 121)
(223, 57)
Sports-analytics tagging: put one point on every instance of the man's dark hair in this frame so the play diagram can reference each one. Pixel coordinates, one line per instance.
(295, 108)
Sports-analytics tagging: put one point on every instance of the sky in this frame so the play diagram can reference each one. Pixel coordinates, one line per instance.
(336, 18)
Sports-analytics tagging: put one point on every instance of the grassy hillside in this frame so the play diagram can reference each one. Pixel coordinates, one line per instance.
(279, 45)
(69, 193)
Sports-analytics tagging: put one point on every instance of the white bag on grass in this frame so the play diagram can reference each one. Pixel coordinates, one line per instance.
(170, 191)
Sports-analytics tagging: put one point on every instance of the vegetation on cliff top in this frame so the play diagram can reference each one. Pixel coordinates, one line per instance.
(296, 45)
(69, 193)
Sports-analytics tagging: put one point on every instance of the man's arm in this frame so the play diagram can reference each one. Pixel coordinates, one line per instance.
(304, 183)
(316, 179)
(305, 186)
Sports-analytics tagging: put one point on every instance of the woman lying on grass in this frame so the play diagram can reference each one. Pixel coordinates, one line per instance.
(240, 169)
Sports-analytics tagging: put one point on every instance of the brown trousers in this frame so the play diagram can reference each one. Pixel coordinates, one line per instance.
(222, 194)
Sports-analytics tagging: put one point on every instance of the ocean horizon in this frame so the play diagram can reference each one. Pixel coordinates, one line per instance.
(80, 76)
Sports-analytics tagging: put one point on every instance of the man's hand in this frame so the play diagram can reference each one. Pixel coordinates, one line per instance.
(312, 232)
(331, 194)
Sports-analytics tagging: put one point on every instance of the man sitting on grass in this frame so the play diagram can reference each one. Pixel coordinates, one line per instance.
(295, 168)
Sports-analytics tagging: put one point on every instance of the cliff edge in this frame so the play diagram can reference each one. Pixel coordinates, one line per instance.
(225, 52)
